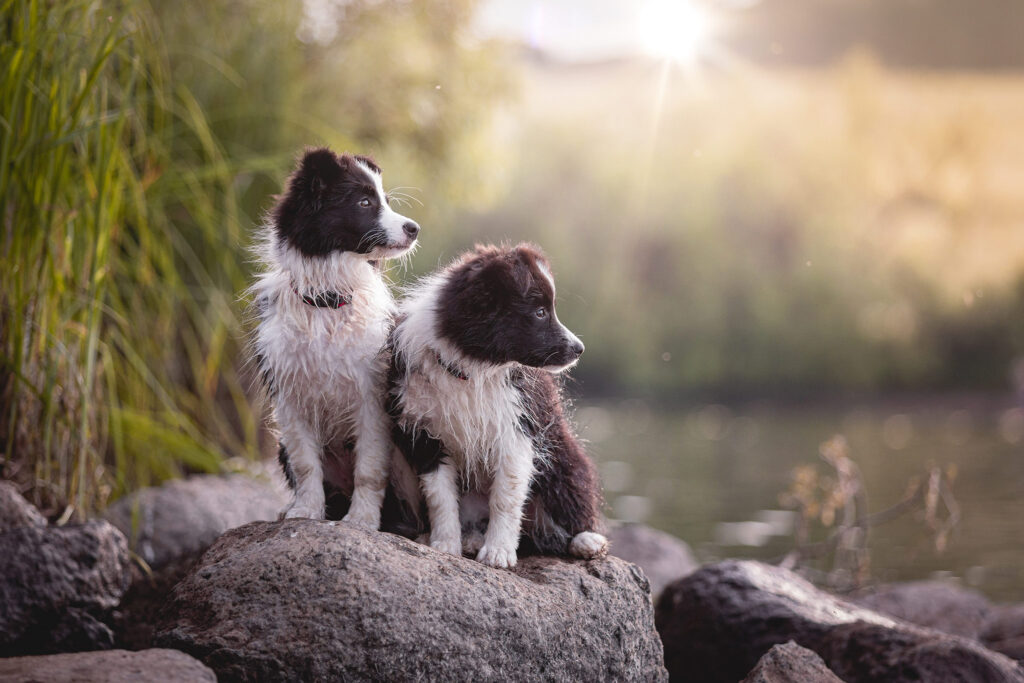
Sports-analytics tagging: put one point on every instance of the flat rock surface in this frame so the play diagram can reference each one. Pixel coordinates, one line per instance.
(790, 663)
(15, 511)
(183, 517)
(303, 600)
(58, 586)
(719, 621)
(663, 557)
(110, 666)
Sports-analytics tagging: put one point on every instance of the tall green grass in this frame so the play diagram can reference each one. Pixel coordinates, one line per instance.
(140, 144)
(113, 355)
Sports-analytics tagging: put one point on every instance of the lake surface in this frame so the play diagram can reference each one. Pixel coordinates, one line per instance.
(712, 475)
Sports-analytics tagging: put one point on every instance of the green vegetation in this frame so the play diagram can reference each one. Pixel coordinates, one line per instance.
(778, 233)
(140, 145)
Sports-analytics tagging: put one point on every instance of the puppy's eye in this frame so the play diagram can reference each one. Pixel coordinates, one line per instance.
(365, 202)
(542, 312)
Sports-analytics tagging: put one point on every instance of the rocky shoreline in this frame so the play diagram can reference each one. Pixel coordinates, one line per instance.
(232, 594)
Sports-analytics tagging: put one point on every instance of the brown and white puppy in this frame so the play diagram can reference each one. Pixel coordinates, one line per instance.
(324, 317)
(479, 414)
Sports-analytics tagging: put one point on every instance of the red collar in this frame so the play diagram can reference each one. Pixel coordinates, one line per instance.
(325, 299)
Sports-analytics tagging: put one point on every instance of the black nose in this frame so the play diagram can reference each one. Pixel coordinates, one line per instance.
(577, 348)
(411, 229)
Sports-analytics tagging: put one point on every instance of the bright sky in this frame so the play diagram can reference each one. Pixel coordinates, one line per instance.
(596, 29)
(568, 29)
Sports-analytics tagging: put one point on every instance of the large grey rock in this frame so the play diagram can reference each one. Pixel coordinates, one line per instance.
(790, 663)
(58, 586)
(110, 666)
(935, 604)
(952, 609)
(717, 622)
(303, 600)
(663, 557)
(1004, 631)
(15, 511)
(182, 518)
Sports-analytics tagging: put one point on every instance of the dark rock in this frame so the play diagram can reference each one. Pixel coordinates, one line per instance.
(935, 604)
(111, 666)
(790, 663)
(663, 557)
(1004, 631)
(58, 586)
(182, 518)
(15, 511)
(134, 621)
(717, 622)
(303, 600)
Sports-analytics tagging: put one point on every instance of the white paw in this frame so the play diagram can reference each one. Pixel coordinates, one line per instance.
(496, 556)
(297, 511)
(588, 545)
(472, 542)
(363, 519)
(452, 546)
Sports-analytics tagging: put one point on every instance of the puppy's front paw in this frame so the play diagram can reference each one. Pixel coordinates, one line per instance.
(497, 556)
(303, 511)
(452, 546)
(363, 519)
(588, 545)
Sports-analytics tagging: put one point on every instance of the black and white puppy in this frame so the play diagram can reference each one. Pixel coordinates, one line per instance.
(324, 317)
(479, 414)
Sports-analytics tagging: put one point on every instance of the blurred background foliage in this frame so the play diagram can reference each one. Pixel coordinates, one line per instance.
(788, 234)
(822, 205)
(141, 144)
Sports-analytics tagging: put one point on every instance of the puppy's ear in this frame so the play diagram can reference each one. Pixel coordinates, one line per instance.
(370, 163)
(317, 171)
(522, 269)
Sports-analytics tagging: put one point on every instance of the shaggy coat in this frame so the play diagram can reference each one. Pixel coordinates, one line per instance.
(479, 414)
(324, 316)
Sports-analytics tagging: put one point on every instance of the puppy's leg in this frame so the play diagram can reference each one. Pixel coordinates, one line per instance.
(303, 450)
(508, 496)
(440, 488)
(372, 464)
(568, 499)
(406, 485)
(403, 512)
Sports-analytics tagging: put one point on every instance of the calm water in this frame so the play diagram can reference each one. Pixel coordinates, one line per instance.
(712, 475)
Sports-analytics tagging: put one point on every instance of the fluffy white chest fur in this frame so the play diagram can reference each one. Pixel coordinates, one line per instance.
(324, 360)
(477, 419)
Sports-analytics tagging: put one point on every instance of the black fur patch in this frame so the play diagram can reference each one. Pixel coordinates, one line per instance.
(322, 208)
(286, 466)
(498, 306)
(422, 451)
(565, 487)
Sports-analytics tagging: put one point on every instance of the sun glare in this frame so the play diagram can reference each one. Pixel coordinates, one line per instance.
(674, 29)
